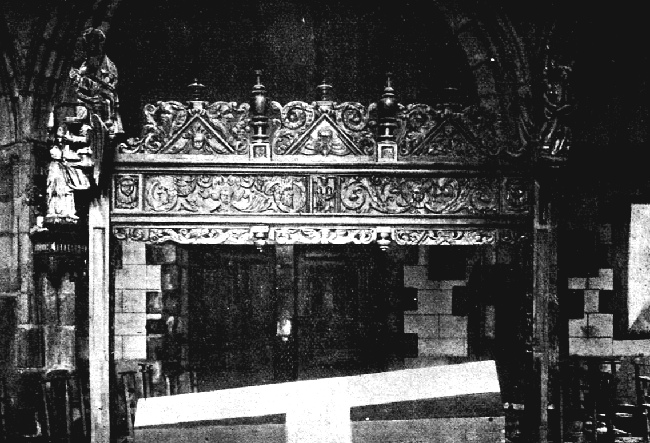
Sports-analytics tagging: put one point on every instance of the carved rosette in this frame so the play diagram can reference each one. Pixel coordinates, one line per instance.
(444, 237)
(127, 191)
(230, 194)
(396, 195)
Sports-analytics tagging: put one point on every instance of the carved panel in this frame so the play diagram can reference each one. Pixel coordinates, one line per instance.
(444, 237)
(231, 194)
(443, 134)
(517, 197)
(171, 127)
(397, 195)
(323, 130)
(324, 194)
(186, 235)
(323, 236)
(319, 235)
(127, 191)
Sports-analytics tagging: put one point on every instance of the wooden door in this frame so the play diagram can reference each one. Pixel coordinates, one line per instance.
(232, 324)
(339, 310)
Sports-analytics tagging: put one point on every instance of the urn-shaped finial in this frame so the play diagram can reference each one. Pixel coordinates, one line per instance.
(259, 102)
(387, 106)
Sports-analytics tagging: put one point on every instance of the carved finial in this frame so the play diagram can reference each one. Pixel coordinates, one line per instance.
(196, 89)
(259, 109)
(258, 77)
(389, 87)
(325, 90)
(387, 109)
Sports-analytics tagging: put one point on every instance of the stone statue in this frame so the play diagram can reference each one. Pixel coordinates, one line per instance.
(555, 133)
(69, 165)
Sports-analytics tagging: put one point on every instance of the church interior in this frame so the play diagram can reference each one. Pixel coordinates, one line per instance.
(286, 206)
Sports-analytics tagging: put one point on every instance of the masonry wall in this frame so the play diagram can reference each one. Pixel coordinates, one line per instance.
(429, 315)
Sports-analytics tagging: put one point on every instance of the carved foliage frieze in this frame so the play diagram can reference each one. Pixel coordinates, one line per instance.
(445, 237)
(320, 235)
(231, 194)
(323, 194)
(438, 195)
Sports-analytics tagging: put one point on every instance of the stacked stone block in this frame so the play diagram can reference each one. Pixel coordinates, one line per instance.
(592, 335)
(132, 282)
(439, 332)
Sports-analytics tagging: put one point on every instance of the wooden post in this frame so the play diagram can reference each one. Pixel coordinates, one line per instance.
(98, 265)
(544, 295)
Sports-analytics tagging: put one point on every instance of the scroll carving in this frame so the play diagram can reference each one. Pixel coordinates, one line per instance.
(209, 129)
(446, 134)
(445, 237)
(186, 235)
(334, 129)
(230, 194)
(395, 195)
(323, 236)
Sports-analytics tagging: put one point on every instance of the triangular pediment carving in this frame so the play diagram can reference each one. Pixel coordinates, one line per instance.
(443, 135)
(323, 138)
(198, 136)
(198, 128)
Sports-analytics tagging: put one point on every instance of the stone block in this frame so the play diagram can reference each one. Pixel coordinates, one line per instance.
(578, 328)
(448, 347)
(417, 277)
(601, 325)
(451, 326)
(131, 277)
(130, 323)
(133, 301)
(154, 278)
(631, 347)
(604, 281)
(449, 284)
(592, 300)
(133, 253)
(161, 254)
(435, 301)
(134, 347)
(423, 325)
(117, 348)
(577, 283)
(591, 347)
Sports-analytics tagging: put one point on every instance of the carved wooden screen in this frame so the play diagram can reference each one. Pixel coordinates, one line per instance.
(317, 173)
